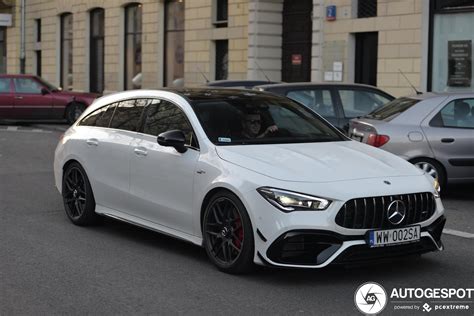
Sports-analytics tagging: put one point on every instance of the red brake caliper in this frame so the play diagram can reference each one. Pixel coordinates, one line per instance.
(239, 233)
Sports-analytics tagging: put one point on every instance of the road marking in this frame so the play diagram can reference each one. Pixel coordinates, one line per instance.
(458, 233)
(15, 129)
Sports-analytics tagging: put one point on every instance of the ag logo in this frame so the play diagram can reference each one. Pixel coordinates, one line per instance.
(370, 298)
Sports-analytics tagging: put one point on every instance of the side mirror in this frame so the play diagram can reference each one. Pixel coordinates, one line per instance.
(174, 138)
(44, 91)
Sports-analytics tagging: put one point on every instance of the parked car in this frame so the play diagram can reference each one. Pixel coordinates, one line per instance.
(238, 84)
(337, 103)
(250, 176)
(433, 131)
(27, 97)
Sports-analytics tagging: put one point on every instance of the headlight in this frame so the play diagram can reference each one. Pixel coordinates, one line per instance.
(288, 201)
(437, 188)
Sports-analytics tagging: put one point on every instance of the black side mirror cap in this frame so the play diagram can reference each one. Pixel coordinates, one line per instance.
(173, 138)
(44, 91)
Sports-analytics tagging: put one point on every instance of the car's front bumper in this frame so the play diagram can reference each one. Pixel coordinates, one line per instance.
(312, 239)
(317, 248)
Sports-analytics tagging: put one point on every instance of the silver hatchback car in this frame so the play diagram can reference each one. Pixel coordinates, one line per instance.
(433, 131)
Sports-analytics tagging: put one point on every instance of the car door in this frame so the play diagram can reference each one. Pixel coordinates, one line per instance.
(29, 101)
(107, 152)
(357, 102)
(6, 99)
(450, 133)
(161, 179)
(321, 100)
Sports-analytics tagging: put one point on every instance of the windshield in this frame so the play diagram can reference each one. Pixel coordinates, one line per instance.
(392, 109)
(48, 85)
(261, 119)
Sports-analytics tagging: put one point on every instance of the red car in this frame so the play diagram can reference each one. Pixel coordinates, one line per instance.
(27, 97)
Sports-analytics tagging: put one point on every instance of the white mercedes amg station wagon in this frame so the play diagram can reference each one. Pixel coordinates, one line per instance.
(252, 177)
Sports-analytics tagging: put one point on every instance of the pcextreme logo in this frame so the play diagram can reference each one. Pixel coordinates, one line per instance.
(370, 298)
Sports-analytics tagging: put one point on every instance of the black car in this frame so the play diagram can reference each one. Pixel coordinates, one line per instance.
(337, 103)
(238, 84)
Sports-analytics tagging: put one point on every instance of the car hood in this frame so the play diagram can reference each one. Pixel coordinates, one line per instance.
(318, 162)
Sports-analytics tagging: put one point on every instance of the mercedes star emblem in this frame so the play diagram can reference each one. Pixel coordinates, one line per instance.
(396, 212)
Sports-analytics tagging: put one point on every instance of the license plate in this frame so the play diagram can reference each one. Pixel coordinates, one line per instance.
(389, 237)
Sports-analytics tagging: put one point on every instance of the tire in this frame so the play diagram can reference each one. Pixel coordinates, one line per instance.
(432, 167)
(78, 197)
(228, 234)
(73, 111)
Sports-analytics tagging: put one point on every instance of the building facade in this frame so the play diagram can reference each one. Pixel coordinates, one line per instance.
(113, 45)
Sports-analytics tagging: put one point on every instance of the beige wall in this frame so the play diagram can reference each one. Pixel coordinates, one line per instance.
(200, 34)
(400, 41)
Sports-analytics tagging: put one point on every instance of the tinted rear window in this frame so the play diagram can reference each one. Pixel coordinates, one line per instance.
(392, 109)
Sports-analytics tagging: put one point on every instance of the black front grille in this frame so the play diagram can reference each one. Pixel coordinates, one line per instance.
(371, 212)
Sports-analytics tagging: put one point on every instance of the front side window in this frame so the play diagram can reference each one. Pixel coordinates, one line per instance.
(458, 113)
(5, 85)
(357, 103)
(127, 114)
(392, 109)
(162, 116)
(27, 85)
(318, 100)
(261, 120)
(133, 46)
(66, 51)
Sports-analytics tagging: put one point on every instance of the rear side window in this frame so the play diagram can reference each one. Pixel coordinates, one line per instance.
(458, 113)
(5, 85)
(162, 116)
(393, 109)
(127, 114)
(100, 117)
(104, 119)
(318, 100)
(357, 103)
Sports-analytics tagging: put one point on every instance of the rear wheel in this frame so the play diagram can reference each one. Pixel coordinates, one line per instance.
(78, 198)
(73, 111)
(433, 168)
(227, 233)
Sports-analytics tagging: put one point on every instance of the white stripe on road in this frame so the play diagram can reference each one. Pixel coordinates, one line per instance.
(458, 233)
(16, 130)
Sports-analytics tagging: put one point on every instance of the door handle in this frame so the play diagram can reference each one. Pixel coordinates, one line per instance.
(19, 98)
(140, 151)
(447, 140)
(92, 142)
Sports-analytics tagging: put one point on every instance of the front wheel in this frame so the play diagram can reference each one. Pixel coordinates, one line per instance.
(227, 233)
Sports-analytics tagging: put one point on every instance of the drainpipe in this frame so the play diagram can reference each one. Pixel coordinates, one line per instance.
(22, 40)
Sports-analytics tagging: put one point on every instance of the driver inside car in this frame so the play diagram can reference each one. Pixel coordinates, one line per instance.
(252, 126)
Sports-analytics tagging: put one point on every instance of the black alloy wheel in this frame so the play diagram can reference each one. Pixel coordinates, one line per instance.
(77, 195)
(227, 233)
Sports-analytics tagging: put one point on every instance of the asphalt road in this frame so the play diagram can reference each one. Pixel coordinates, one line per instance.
(49, 266)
